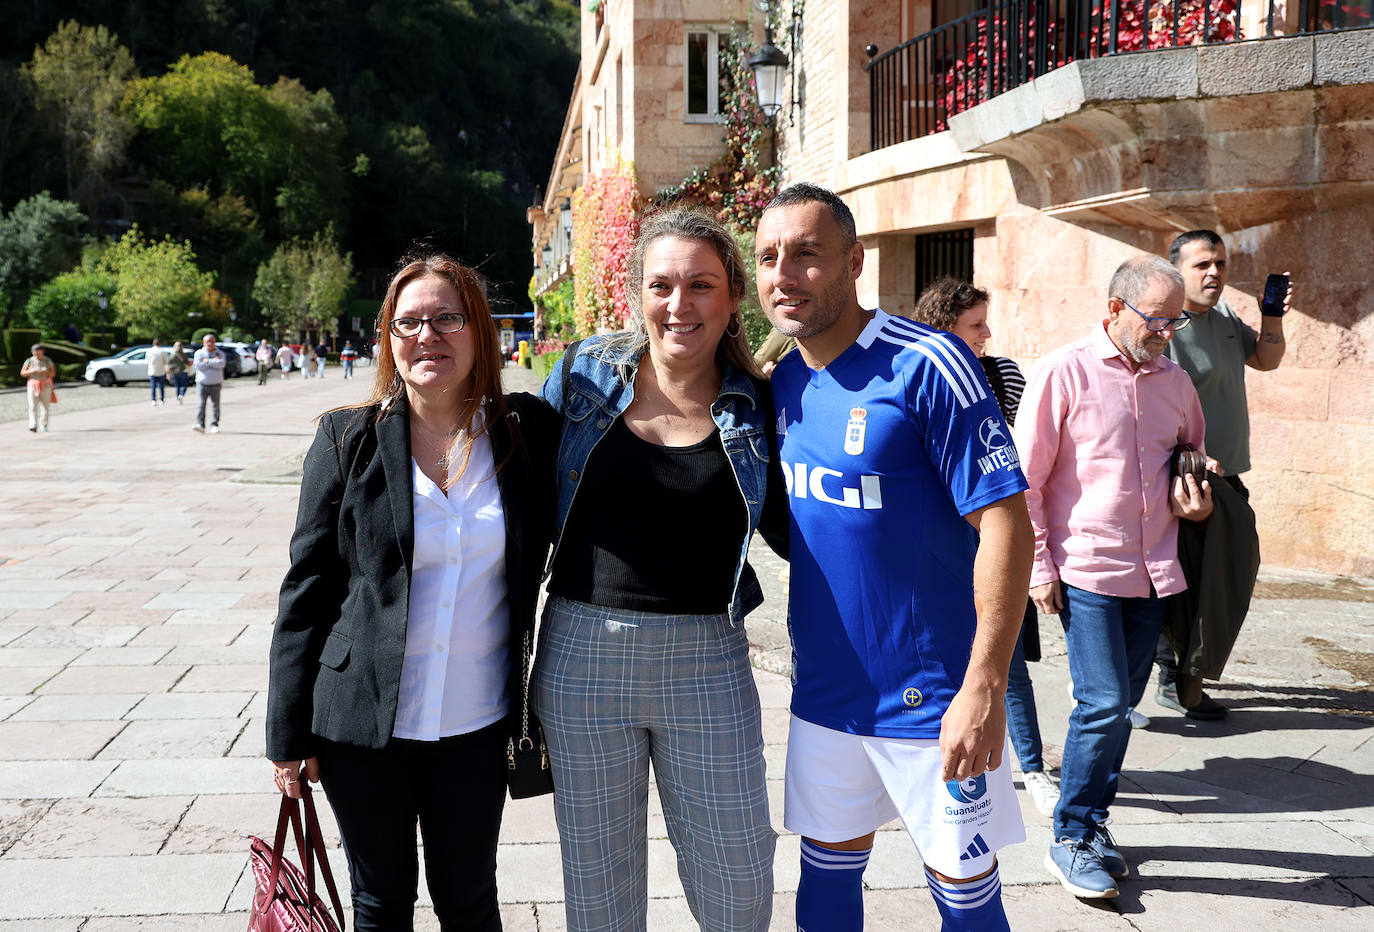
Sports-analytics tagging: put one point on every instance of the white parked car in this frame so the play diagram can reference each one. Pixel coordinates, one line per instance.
(130, 365)
(247, 353)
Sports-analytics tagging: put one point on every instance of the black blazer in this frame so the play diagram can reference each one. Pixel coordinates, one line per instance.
(340, 633)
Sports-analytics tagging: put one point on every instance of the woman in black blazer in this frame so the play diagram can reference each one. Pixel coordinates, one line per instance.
(396, 659)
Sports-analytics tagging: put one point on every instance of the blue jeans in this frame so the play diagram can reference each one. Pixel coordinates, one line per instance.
(182, 382)
(157, 384)
(1111, 645)
(1022, 722)
(348, 368)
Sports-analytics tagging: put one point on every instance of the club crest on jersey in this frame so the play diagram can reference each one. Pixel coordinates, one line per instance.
(854, 431)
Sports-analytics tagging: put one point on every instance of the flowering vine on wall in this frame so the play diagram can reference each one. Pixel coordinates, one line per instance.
(606, 213)
(738, 185)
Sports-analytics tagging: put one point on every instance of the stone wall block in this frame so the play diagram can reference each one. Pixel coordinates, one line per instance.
(1345, 152)
(1345, 57)
(1250, 67)
(1351, 398)
(1016, 111)
(1274, 442)
(1061, 91)
(1288, 390)
(1161, 74)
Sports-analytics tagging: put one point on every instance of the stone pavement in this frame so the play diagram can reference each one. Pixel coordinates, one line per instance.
(139, 563)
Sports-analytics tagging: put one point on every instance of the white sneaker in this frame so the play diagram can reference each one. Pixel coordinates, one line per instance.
(153, 402)
(212, 430)
(1043, 791)
(197, 428)
(1138, 720)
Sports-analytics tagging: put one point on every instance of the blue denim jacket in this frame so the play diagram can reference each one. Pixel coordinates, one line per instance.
(743, 412)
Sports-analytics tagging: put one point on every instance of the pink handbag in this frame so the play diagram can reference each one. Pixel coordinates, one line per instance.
(284, 897)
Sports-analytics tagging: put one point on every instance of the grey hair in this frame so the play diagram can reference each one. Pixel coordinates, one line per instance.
(804, 192)
(625, 348)
(1133, 276)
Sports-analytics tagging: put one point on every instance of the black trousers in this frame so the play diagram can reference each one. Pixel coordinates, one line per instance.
(1164, 651)
(455, 789)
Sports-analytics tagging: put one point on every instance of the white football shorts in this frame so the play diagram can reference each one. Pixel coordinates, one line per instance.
(841, 786)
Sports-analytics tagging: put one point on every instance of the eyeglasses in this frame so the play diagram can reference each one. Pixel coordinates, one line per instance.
(1158, 324)
(407, 327)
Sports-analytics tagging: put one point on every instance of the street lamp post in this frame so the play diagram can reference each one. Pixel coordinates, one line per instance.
(769, 65)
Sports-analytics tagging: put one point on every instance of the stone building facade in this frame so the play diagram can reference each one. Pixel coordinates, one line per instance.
(1041, 191)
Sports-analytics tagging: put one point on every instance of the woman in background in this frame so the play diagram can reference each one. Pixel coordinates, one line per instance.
(962, 310)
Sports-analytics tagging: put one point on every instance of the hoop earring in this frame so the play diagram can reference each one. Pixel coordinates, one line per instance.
(734, 322)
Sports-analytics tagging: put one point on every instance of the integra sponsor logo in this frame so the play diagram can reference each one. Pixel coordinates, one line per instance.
(1001, 454)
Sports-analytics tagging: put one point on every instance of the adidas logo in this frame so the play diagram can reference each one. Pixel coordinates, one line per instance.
(975, 850)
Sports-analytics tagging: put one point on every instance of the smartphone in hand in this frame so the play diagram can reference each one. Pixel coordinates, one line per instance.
(1275, 290)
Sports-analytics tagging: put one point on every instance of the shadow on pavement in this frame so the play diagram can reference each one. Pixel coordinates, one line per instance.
(1319, 891)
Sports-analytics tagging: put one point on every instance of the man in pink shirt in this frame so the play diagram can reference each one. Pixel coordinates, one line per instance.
(1096, 431)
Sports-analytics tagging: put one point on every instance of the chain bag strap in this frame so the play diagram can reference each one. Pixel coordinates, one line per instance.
(527, 757)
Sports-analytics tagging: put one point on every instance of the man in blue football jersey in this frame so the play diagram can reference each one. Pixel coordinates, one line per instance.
(911, 554)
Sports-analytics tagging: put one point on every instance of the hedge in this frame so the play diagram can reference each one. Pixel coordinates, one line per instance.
(17, 343)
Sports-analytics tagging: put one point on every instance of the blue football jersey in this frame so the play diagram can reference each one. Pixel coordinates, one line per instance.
(884, 451)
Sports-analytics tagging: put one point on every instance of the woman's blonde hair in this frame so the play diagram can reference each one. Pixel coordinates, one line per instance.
(681, 223)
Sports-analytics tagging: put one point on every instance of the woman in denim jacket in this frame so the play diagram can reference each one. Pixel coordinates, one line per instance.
(667, 464)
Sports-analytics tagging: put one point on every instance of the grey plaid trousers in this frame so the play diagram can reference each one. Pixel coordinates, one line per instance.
(616, 689)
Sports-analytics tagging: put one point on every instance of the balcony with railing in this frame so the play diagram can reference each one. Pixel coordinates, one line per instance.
(918, 85)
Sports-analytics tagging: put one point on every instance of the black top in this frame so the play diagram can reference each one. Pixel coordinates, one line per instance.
(684, 500)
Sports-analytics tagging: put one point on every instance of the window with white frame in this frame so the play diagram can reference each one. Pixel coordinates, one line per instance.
(705, 81)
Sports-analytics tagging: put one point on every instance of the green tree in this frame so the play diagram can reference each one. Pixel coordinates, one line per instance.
(72, 297)
(279, 289)
(158, 285)
(208, 120)
(40, 237)
(79, 76)
(304, 285)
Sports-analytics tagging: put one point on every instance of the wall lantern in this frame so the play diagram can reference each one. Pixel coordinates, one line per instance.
(770, 70)
(547, 256)
(100, 299)
(565, 216)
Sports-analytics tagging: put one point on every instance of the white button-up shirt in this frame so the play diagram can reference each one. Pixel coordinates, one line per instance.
(453, 679)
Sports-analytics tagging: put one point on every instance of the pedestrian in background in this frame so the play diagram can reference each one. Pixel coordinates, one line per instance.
(962, 309)
(178, 367)
(1215, 351)
(307, 360)
(264, 358)
(157, 372)
(1098, 426)
(209, 366)
(321, 356)
(643, 658)
(284, 357)
(41, 372)
(348, 355)
(396, 663)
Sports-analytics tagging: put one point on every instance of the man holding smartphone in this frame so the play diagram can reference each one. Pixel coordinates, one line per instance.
(1214, 350)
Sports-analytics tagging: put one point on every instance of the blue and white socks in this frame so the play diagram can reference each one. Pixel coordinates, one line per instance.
(972, 906)
(830, 897)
